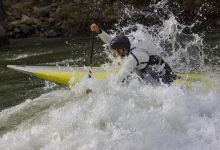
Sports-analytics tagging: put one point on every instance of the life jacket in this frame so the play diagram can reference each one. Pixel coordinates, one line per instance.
(155, 68)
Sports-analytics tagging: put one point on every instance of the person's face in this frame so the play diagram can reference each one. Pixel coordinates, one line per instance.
(119, 52)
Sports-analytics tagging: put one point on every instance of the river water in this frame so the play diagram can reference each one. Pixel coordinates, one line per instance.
(71, 51)
(37, 114)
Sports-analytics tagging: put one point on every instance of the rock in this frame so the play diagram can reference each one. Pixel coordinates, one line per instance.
(36, 21)
(17, 16)
(52, 34)
(218, 22)
(11, 34)
(23, 4)
(2, 10)
(26, 20)
(45, 26)
(42, 11)
(17, 35)
(15, 23)
(42, 29)
(9, 27)
(45, 18)
(42, 34)
(54, 4)
(27, 30)
(17, 30)
(77, 1)
(51, 20)
(3, 36)
(2, 31)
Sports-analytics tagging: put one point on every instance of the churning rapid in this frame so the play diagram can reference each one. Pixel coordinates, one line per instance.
(130, 117)
(115, 117)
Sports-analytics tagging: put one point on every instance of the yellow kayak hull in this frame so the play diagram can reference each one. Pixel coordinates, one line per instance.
(71, 75)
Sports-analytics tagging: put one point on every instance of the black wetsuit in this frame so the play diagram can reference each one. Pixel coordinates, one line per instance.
(165, 75)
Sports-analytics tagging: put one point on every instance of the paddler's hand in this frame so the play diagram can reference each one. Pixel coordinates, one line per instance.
(95, 28)
(88, 91)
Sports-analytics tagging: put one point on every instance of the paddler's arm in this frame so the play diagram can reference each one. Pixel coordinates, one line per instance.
(127, 67)
(136, 58)
(105, 37)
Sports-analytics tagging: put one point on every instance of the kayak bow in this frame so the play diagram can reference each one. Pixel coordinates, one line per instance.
(72, 75)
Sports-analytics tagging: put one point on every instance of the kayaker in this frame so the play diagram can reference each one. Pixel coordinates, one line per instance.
(150, 68)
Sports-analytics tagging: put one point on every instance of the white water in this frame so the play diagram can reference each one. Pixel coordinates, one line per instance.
(115, 117)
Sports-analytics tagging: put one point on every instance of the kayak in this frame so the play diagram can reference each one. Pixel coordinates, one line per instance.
(71, 75)
(61, 74)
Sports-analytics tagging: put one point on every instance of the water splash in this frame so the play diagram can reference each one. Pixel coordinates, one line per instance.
(118, 117)
(115, 117)
(181, 48)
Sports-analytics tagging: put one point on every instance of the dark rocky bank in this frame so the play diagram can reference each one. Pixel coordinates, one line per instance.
(54, 18)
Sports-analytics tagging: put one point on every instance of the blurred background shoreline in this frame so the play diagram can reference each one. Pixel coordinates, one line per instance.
(64, 18)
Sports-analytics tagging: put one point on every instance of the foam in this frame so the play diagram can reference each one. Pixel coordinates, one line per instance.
(118, 117)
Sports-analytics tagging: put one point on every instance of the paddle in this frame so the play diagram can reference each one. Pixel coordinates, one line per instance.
(91, 55)
(91, 61)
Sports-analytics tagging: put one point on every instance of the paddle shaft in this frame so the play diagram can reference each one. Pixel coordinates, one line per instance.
(91, 54)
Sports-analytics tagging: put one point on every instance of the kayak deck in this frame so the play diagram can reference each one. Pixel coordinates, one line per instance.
(72, 75)
(61, 75)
